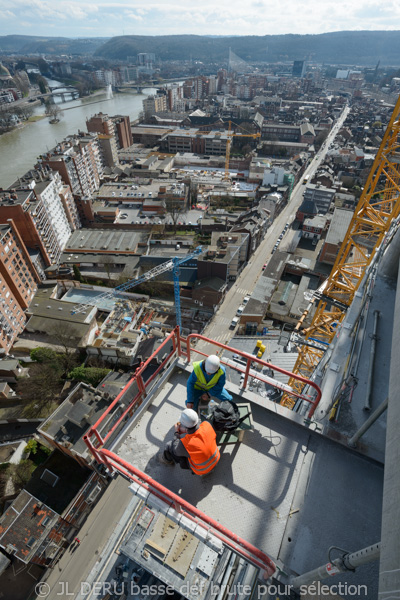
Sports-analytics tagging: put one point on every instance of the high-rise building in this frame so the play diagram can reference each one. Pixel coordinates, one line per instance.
(118, 126)
(299, 68)
(100, 123)
(212, 85)
(37, 210)
(78, 160)
(109, 150)
(18, 284)
(123, 130)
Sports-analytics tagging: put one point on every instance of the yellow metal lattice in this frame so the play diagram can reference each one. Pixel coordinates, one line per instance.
(379, 204)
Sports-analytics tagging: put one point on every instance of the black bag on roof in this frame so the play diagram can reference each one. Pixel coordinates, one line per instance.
(225, 416)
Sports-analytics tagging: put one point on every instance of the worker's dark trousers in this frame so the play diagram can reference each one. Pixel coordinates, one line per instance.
(182, 461)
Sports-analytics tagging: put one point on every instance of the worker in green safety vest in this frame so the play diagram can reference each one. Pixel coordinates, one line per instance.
(207, 380)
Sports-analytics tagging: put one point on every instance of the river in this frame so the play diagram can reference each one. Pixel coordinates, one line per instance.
(20, 148)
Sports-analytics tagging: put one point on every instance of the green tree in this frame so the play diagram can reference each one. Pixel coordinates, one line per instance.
(77, 273)
(31, 446)
(90, 375)
(43, 355)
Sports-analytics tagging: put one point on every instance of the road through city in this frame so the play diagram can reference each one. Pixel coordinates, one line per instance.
(218, 328)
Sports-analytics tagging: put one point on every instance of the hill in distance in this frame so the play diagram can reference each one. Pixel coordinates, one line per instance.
(29, 44)
(341, 47)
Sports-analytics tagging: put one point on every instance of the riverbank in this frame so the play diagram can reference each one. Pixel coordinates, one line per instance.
(20, 147)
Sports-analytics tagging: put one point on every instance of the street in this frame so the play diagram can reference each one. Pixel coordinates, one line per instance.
(218, 328)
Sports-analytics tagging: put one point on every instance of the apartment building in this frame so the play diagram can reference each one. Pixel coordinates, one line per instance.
(49, 193)
(18, 284)
(70, 207)
(78, 160)
(320, 195)
(108, 148)
(108, 77)
(123, 130)
(196, 88)
(154, 104)
(100, 123)
(119, 127)
(37, 209)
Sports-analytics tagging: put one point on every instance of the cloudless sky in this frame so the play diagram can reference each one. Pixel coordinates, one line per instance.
(105, 18)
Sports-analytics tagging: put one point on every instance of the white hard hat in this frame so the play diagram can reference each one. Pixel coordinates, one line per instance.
(189, 418)
(212, 363)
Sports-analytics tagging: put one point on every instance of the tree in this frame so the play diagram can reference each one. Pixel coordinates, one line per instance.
(43, 66)
(174, 209)
(41, 389)
(43, 355)
(52, 111)
(31, 447)
(90, 375)
(108, 262)
(42, 85)
(77, 273)
(21, 473)
(24, 111)
(320, 138)
(66, 337)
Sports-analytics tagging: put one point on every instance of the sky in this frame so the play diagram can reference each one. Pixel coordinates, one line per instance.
(105, 18)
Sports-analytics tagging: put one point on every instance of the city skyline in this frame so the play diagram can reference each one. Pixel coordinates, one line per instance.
(102, 18)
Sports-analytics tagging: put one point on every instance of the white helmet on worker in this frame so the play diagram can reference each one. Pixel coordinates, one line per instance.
(189, 418)
(212, 363)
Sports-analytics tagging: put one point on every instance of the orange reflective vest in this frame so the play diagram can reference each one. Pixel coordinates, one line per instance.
(202, 449)
(201, 383)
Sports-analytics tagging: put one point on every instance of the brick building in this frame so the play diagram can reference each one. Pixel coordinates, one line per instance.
(18, 284)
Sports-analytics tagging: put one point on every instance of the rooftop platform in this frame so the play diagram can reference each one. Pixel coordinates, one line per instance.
(287, 489)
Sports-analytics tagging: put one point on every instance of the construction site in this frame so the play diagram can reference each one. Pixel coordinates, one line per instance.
(304, 500)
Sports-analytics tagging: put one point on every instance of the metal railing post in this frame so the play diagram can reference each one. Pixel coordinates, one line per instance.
(246, 373)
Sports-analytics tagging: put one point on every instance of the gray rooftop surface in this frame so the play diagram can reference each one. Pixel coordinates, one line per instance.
(280, 467)
(103, 239)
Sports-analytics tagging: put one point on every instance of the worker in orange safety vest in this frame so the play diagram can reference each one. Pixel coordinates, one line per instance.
(194, 445)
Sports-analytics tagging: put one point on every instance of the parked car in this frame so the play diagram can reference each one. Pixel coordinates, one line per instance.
(246, 299)
(234, 322)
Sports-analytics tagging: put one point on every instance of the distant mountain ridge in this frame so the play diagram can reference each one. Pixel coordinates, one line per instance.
(341, 47)
(31, 44)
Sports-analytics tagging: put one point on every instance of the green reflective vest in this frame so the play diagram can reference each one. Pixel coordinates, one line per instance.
(201, 383)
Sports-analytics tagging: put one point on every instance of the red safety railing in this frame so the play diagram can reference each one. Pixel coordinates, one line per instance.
(96, 439)
(240, 545)
(250, 358)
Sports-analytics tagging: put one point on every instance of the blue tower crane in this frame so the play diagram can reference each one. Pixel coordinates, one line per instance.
(172, 264)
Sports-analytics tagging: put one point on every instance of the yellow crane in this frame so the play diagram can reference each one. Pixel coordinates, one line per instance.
(379, 204)
(231, 135)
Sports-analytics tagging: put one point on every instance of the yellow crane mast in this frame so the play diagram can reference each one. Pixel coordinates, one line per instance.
(231, 135)
(379, 204)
